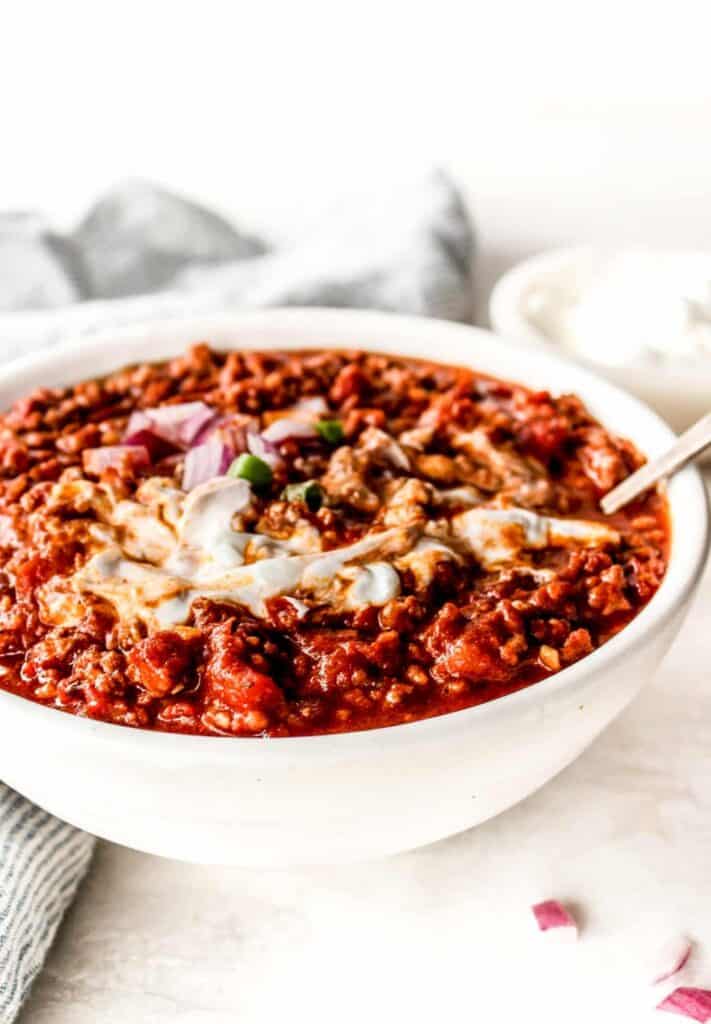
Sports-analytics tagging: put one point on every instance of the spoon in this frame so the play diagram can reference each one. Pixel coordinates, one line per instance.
(691, 443)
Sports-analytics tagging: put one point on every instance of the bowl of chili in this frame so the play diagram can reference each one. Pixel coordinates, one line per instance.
(294, 591)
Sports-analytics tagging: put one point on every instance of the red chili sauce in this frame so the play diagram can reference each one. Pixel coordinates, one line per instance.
(467, 587)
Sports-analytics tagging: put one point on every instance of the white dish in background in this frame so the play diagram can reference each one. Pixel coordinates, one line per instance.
(337, 798)
(643, 320)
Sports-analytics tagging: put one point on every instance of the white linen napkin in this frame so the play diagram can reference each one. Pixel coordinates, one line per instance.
(143, 254)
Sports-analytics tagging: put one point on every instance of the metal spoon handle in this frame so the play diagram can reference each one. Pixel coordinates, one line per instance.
(691, 443)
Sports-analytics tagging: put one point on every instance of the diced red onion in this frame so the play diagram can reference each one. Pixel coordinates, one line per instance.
(137, 421)
(283, 429)
(263, 449)
(206, 461)
(552, 916)
(139, 437)
(206, 430)
(179, 424)
(156, 446)
(96, 460)
(694, 1003)
(671, 958)
(231, 430)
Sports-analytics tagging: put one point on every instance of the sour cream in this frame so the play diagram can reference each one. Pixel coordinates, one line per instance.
(158, 596)
(630, 305)
(497, 536)
(155, 556)
(152, 569)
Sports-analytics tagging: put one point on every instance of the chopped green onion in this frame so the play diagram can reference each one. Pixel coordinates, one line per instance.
(309, 492)
(330, 430)
(249, 467)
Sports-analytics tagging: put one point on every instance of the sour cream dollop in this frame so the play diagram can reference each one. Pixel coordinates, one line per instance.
(619, 308)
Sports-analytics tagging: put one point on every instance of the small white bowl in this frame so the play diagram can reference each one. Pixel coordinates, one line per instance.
(277, 802)
(679, 390)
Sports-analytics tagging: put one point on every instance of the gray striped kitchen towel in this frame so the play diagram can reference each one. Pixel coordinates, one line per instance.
(143, 254)
(42, 860)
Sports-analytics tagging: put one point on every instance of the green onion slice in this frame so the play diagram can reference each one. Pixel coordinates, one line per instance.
(330, 430)
(251, 468)
(309, 492)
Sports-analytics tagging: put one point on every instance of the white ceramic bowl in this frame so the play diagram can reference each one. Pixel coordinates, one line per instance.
(679, 390)
(358, 795)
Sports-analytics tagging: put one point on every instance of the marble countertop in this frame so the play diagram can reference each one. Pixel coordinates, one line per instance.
(444, 932)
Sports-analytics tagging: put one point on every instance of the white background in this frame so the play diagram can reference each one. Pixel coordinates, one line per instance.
(564, 123)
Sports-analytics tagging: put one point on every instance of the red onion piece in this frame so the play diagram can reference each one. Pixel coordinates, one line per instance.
(157, 447)
(232, 430)
(283, 429)
(671, 958)
(182, 423)
(96, 460)
(206, 461)
(263, 450)
(137, 421)
(552, 916)
(206, 430)
(694, 1003)
(179, 424)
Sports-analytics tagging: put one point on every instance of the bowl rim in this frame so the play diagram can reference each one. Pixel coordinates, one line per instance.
(505, 312)
(314, 327)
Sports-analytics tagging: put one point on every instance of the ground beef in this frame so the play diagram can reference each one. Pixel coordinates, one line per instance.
(463, 636)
